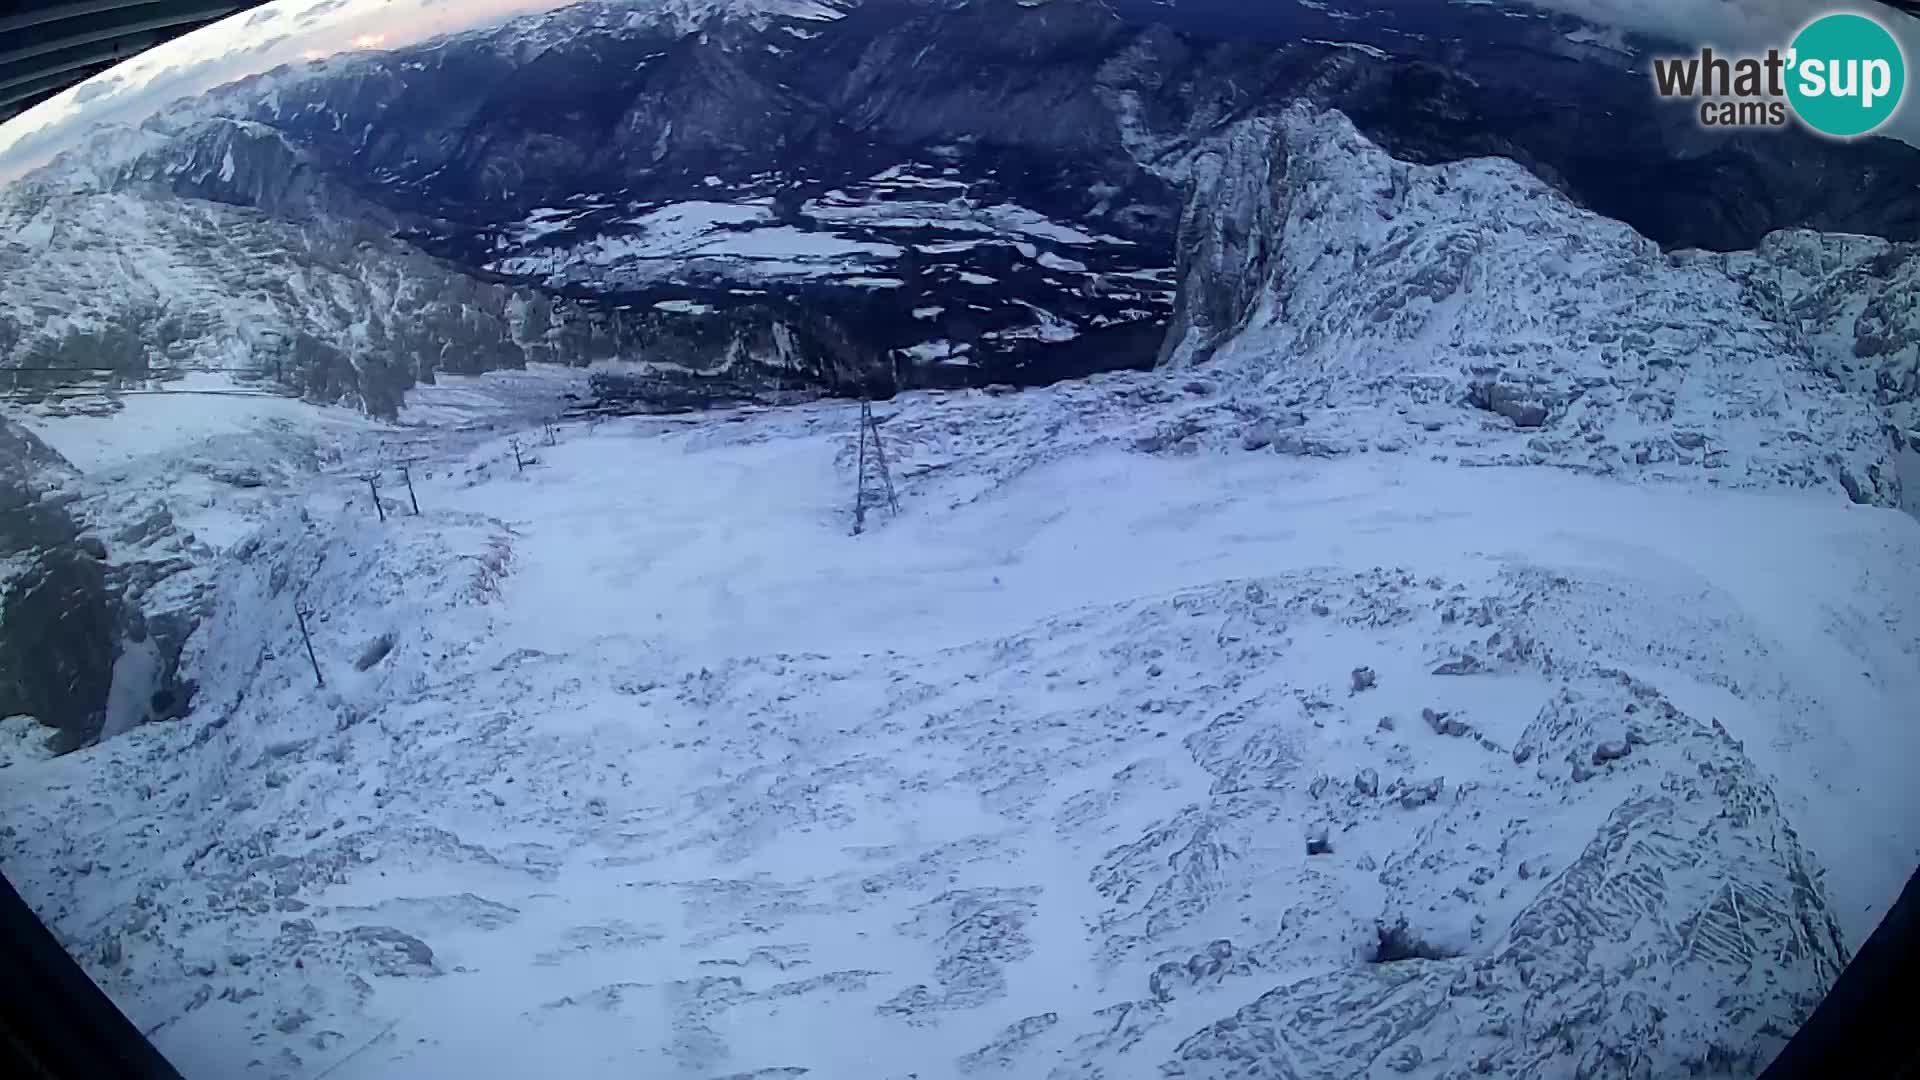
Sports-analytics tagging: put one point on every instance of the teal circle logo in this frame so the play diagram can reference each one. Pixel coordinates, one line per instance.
(1846, 75)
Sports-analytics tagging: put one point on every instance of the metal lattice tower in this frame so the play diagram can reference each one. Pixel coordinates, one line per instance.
(870, 435)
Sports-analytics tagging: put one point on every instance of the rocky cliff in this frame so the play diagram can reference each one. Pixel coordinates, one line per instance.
(1324, 279)
(60, 622)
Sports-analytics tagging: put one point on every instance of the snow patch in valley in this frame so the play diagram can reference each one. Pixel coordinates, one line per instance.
(667, 239)
(185, 411)
(683, 307)
(1370, 50)
(941, 352)
(1046, 327)
(957, 216)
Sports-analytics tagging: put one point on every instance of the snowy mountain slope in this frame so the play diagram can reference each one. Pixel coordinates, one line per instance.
(117, 516)
(152, 286)
(687, 90)
(48, 582)
(544, 150)
(1349, 303)
(674, 777)
(119, 281)
(723, 777)
(1856, 301)
(527, 38)
(117, 544)
(1373, 299)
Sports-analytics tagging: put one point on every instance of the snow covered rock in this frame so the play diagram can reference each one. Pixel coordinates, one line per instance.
(999, 781)
(59, 620)
(1470, 311)
(1854, 301)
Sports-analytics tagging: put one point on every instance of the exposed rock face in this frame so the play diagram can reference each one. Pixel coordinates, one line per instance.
(58, 618)
(242, 163)
(1405, 293)
(1857, 298)
(82, 648)
(1236, 212)
(1854, 304)
(1634, 900)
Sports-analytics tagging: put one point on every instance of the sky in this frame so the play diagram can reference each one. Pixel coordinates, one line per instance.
(287, 31)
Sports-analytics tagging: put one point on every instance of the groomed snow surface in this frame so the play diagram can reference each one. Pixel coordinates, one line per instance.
(636, 763)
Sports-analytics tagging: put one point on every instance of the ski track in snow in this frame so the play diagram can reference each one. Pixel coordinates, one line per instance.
(668, 775)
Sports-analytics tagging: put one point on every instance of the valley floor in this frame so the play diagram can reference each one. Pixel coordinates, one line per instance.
(664, 773)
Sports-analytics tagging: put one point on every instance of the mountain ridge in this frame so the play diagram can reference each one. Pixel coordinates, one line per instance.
(961, 192)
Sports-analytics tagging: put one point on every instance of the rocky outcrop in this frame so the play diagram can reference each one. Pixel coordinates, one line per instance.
(1639, 898)
(243, 163)
(1852, 305)
(1469, 305)
(1234, 216)
(84, 649)
(59, 620)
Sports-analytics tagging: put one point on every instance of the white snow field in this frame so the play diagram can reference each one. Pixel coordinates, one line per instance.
(666, 774)
(1477, 667)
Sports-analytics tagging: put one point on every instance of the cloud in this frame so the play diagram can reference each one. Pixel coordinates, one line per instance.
(313, 14)
(96, 88)
(263, 16)
(1729, 23)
